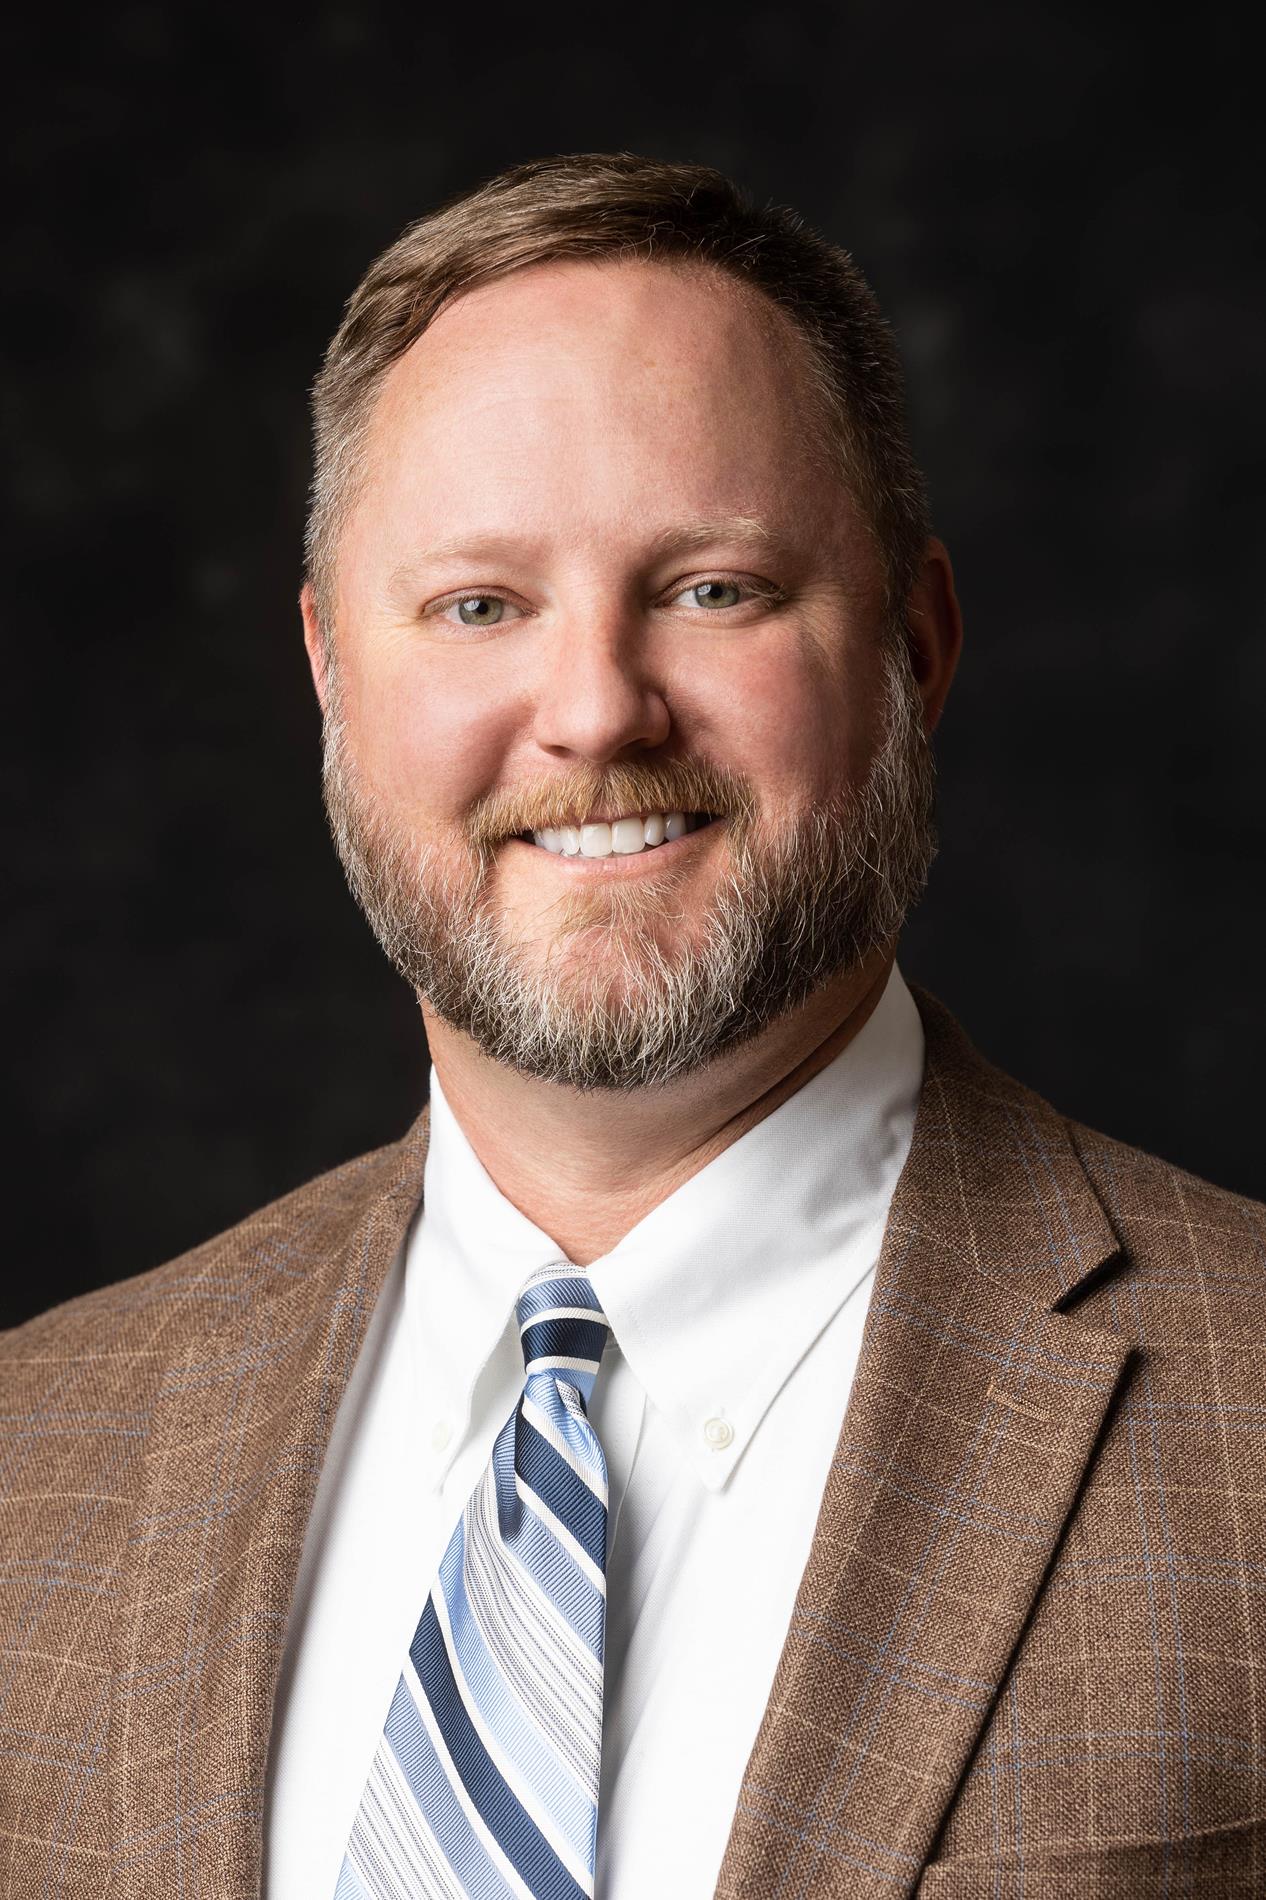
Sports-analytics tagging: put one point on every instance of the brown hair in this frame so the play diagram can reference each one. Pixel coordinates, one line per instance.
(616, 205)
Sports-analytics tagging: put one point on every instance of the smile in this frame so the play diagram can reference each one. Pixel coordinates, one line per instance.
(618, 837)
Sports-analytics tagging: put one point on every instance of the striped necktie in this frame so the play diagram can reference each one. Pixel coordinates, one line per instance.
(485, 1783)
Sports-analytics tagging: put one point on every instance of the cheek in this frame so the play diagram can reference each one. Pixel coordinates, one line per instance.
(429, 743)
(797, 730)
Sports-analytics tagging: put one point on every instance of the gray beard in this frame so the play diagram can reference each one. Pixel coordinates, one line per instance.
(790, 913)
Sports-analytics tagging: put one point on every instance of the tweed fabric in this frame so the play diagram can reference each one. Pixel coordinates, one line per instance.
(160, 1444)
(1027, 1651)
(1026, 1654)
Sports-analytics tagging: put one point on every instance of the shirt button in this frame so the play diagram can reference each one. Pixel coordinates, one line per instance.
(441, 1435)
(719, 1434)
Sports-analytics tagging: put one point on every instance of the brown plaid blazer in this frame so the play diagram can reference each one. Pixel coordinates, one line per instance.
(1025, 1658)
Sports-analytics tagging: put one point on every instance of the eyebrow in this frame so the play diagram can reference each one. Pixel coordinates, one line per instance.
(679, 539)
(698, 534)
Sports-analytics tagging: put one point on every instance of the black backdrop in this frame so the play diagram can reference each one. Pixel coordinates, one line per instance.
(1058, 212)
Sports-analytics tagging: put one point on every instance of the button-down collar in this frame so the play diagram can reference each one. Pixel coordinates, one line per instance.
(716, 1294)
(469, 1256)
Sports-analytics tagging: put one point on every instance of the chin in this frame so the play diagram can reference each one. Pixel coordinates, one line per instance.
(608, 923)
(591, 965)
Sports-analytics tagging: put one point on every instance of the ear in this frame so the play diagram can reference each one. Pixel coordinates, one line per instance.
(314, 641)
(934, 630)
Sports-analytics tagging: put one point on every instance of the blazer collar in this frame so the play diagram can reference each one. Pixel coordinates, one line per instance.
(235, 1448)
(975, 1409)
(993, 1179)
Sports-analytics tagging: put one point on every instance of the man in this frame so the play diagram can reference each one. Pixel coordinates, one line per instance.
(737, 1440)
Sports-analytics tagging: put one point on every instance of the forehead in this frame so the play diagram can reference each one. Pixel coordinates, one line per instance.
(628, 323)
(587, 387)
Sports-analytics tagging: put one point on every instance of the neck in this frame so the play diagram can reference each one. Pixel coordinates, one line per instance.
(586, 1166)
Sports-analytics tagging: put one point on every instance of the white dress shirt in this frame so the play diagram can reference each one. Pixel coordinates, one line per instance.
(736, 1307)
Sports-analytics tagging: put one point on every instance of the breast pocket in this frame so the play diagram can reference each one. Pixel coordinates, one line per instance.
(1225, 1863)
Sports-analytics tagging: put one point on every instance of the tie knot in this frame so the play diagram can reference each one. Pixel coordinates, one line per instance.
(562, 1327)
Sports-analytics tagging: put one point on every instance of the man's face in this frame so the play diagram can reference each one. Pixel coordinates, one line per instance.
(598, 571)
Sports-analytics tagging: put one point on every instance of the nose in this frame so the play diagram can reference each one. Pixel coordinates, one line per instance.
(596, 698)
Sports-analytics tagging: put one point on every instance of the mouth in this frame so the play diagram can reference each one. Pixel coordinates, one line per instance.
(629, 836)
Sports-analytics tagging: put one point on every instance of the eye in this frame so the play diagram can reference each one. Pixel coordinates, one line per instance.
(713, 594)
(476, 610)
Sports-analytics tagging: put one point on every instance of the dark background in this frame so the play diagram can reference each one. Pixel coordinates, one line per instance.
(1058, 212)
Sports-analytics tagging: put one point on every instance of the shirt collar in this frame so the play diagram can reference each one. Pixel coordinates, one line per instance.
(468, 1258)
(717, 1294)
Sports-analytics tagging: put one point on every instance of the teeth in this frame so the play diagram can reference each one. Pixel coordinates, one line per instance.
(627, 836)
(623, 838)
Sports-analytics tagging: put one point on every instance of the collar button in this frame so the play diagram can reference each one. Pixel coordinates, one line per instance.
(718, 1434)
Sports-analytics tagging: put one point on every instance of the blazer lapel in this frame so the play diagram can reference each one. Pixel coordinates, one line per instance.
(975, 1410)
(234, 1454)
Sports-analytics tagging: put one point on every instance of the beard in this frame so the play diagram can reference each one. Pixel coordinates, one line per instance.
(607, 1005)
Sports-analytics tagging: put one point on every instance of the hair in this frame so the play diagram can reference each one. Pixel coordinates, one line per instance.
(613, 206)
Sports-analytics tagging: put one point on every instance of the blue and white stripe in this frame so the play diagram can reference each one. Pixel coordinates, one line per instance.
(485, 1783)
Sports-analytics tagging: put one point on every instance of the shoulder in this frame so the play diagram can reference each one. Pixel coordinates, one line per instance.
(81, 1384)
(1166, 1206)
(144, 1316)
(1194, 1253)
(1178, 1255)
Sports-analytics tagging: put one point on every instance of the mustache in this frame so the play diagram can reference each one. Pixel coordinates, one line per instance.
(686, 785)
